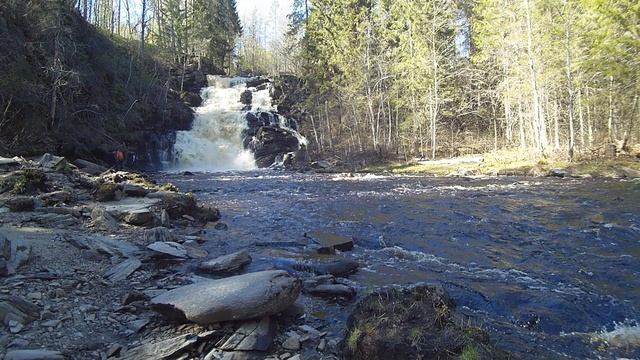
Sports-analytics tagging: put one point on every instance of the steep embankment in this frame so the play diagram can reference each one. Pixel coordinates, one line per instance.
(68, 89)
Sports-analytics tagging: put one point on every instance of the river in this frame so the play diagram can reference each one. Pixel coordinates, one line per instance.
(545, 266)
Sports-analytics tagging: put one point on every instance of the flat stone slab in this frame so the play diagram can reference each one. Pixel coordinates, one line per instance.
(241, 297)
(226, 264)
(127, 205)
(252, 336)
(169, 248)
(123, 270)
(330, 242)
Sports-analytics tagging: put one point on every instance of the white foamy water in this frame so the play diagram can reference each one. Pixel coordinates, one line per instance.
(214, 143)
(626, 334)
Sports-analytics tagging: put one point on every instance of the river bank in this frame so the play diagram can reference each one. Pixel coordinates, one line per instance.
(109, 251)
(509, 163)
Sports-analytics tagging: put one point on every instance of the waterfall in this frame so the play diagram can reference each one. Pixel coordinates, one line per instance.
(214, 142)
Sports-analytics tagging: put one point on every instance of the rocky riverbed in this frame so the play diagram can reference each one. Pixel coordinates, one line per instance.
(273, 265)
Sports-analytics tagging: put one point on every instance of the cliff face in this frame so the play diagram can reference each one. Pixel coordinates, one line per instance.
(66, 88)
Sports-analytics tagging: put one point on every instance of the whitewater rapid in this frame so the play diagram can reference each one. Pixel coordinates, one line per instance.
(214, 142)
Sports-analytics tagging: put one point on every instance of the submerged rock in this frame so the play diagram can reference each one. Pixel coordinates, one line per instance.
(240, 297)
(333, 290)
(226, 264)
(329, 242)
(420, 317)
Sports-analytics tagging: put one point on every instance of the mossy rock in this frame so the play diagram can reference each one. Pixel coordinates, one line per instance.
(29, 181)
(20, 203)
(412, 323)
(108, 192)
(207, 214)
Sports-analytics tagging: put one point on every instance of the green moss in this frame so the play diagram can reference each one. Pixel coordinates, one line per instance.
(354, 337)
(29, 181)
(470, 353)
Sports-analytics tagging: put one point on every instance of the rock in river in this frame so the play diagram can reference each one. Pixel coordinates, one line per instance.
(226, 264)
(240, 297)
(330, 242)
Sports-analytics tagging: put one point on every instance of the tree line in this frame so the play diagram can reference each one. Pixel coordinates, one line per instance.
(429, 78)
(181, 31)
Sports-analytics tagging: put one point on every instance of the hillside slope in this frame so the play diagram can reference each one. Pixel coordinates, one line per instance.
(67, 88)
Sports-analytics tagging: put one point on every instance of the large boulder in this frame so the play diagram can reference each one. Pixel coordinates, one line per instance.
(271, 142)
(412, 323)
(247, 296)
(176, 204)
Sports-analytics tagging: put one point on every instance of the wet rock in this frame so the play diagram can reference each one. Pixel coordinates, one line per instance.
(36, 354)
(560, 173)
(134, 190)
(190, 98)
(240, 297)
(176, 204)
(252, 336)
(333, 290)
(169, 248)
(271, 142)
(226, 264)
(207, 214)
(123, 270)
(163, 349)
(221, 226)
(330, 242)
(246, 98)
(13, 308)
(342, 267)
(20, 203)
(140, 217)
(158, 234)
(257, 81)
(423, 328)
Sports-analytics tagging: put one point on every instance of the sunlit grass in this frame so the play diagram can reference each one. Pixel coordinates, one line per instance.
(519, 163)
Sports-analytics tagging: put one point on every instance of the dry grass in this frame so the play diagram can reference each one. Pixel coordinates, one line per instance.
(519, 163)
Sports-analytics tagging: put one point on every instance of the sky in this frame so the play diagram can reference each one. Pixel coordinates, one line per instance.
(272, 13)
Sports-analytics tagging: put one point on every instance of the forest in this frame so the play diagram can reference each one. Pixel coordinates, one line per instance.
(412, 79)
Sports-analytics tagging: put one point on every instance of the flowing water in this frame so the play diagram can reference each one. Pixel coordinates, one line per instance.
(215, 141)
(550, 268)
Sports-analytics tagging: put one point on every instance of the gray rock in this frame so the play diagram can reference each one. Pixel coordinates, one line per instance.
(20, 203)
(36, 354)
(330, 242)
(139, 217)
(226, 264)
(292, 342)
(123, 270)
(14, 308)
(169, 248)
(55, 198)
(252, 336)
(134, 190)
(240, 297)
(333, 290)
(165, 219)
(49, 161)
(157, 234)
(102, 220)
(163, 349)
(176, 204)
(13, 254)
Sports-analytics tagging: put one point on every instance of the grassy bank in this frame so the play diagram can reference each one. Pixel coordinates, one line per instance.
(505, 163)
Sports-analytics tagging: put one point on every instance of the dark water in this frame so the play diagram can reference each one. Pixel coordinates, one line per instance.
(547, 267)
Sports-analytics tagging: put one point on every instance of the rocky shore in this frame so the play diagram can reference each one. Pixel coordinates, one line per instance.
(98, 264)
